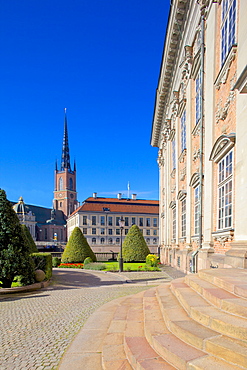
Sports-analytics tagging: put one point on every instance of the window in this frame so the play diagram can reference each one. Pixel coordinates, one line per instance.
(94, 230)
(70, 184)
(174, 223)
(84, 230)
(93, 240)
(183, 131)
(173, 154)
(117, 221)
(102, 231)
(60, 183)
(155, 241)
(183, 218)
(154, 232)
(110, 231)
(197, 208)
(84, 222)
(133, 221)
(126, 221)
(93, 220)
(102, 220)
(117, 231)
(110, 221)
(102, 240)
(126, 231)
(148, 222)
(140, 221)
(228, 27)
(45, 234)
(61, 203)
(155, 222)
(148, 241)
(110, 240)
(148, 232)
(117, 240)
(198, 96)
(225, 192)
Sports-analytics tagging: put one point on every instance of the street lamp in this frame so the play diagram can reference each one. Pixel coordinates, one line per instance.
(121, 224)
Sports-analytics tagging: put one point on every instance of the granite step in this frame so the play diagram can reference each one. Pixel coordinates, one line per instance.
(218, 297)
(193, 333)
(204, 313)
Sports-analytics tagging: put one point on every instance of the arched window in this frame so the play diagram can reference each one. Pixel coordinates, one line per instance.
(102, 240)
(148, 241)
(93, 240)
(155, 241)
(117, 240)
(60, 184)
(70, 184)
(110, 241)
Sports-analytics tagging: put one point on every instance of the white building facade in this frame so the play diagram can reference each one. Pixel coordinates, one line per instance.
(98, 218)
(199, 126)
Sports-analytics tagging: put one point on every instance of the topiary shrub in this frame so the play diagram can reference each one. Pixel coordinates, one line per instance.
(135, 248)
(28, 239)
(14, 253)
(152, 260)
(43, 261)
(77, 248)
(88, 260)
(56, 261)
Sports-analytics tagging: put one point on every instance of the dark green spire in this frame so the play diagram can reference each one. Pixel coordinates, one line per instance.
(65, 162)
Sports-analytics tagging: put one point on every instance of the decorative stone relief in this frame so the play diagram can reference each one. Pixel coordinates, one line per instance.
(173, 173)
(160, 159)
(223, 239)
(182, 174)
(222, 111)
(223, 74)
(196, 154)
(196, 130)
(182, 156)
(173, 189)
(166, 129)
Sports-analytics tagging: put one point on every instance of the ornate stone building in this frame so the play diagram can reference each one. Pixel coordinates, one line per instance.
(199, 126)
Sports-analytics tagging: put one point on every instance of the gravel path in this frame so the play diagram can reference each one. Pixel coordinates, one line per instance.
(36, 328)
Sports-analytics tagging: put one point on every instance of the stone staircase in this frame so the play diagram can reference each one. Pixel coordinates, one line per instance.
(196, 322)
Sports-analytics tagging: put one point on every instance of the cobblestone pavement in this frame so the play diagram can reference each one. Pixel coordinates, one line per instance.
(36, 328)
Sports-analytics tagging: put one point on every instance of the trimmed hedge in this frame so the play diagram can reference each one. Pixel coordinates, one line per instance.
(77, 248)
(135, 248)
(43, 261)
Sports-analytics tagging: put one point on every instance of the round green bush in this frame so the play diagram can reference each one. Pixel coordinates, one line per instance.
(56, 261)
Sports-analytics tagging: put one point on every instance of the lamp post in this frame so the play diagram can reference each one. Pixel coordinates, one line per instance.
(121, 224)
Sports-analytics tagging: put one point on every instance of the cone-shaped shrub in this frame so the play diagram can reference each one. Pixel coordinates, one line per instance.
(77, 248)
(14, 254)
(29, 240)
(134, 246)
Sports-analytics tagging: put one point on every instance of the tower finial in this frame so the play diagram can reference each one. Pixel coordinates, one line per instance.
(65, 162)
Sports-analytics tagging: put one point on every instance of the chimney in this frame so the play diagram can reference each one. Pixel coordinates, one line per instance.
(133, 196)
(94, 195)
(119, 196)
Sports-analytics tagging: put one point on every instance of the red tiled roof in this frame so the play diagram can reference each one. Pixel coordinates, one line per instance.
(119, 205)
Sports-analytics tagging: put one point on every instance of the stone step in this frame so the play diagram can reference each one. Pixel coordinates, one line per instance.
(231, 280)
(201, 311)
(218, 297)
(192, 332)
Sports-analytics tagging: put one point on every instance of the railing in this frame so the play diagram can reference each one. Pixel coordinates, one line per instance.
(101, 256)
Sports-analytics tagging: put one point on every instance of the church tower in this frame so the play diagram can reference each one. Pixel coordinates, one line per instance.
(65, 195)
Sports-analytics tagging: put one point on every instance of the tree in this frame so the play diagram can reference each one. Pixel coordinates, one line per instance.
(134, 246)
(29, 240)
(77, 248)
(14, 255)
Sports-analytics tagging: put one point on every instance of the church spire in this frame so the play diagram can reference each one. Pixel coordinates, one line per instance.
(65, 162)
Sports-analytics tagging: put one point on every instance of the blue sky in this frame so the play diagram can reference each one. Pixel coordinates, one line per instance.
(100, 60)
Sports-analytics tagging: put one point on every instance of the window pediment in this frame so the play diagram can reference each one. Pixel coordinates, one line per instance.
(172, 204)
(182, 195)
(222, 145)
(195, 179)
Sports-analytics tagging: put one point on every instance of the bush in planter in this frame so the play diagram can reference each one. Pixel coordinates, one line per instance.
(43, 261)
(135, 248)
(14, 254)
(77, 248)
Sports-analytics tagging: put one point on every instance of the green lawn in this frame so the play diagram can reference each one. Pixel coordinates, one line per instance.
(129, 266)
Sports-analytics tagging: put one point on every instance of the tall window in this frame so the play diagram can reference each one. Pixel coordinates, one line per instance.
(174, 223)
(173, 154)
(183, 131)
(93, 240)
(126, 221)
(84, 230)
(148, 222)
(84, 221)
(93, 220)
(225, 192)
(141, 221)
(94, 230)
(102, 240)
(183, 218)
(133, 220)
(102, 220)
(102, 231)
(70, 184)
(228, 27)
(60, 183)
(197, 208)
(110, 221)
(198, 96)
(117, 221)
(110, 231)
(155, 222)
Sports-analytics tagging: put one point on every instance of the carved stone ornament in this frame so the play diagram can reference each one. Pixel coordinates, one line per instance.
(173, 173)
(196, 130)
(182, 174)
(173, 189)
(222, 146)
(223, 74)
(160, 159)
(182, 156)
(222, 111)
(223, 238)
(196, 154)
(166, 129)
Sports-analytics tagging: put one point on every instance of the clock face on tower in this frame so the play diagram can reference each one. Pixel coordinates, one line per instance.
(60, 194)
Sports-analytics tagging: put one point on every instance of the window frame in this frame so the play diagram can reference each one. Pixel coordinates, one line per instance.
(227, 27)
(225, 192)
(183, 131)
